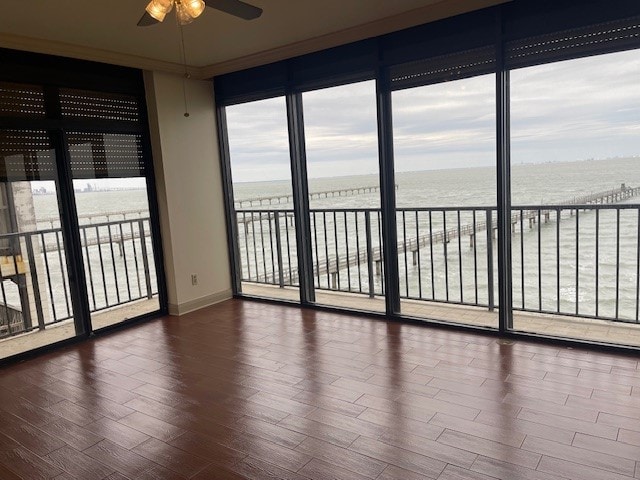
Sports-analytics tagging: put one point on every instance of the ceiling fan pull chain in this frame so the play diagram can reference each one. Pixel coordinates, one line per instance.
(186, 71)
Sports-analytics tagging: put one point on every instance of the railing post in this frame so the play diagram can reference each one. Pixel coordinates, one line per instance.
(21, 281)
(490, 260)
(276, 218)
(34, 281)
(145, 259)
(367, 226)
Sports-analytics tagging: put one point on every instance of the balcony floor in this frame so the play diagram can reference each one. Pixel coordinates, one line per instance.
(66, 329)
(550, 325)
(247, 390)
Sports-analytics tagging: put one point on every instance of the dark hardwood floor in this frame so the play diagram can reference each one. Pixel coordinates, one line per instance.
(252, 390)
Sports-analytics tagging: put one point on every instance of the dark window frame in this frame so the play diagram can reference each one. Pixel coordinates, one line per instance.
(499, 28)
(55, 75)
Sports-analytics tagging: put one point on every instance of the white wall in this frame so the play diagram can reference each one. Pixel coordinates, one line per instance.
(190, 197)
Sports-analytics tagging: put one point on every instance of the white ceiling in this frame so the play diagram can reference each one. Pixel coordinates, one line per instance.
(215, 42)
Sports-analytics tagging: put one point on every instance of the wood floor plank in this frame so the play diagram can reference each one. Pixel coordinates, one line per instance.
(510, 424)
(388, 421)
(629, 437)
(356, 425)
(332, 391)
(282, 403)
(601, 358)
(7, 474)
(321, 431)
(74, 413)
(158, 472)
(320, 470)
(590, 428)
(483, 404)
(508, 471)
(427, 466)
(619, 421)
(429, 448)
(78, 464)
(151, 426)
(120, 459)
(106, 407)
(609, 447)
(118, 433)
(490, 449)
(329, 403)
(501, 435)
(342, 458)
(274, 433)
(576, 471)
(582, 364)
(601, 461)
(8, 444)
(172, 458)
(451, 472)
(29, 436)
(26, 411)
(73, 435)
(396, 473)
(210, 445)
(631, 409)
(261, 449)
(564, 410)
(246, 390)
(254, 469)
(26, 464)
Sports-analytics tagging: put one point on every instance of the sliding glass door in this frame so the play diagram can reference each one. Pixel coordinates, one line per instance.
(575, 185)
(344, 196)
(111, 199)
(36, 308)
(74, 206)
(444, 145)
(263, 199)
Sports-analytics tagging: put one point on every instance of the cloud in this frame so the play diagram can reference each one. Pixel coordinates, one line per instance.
(565, 111)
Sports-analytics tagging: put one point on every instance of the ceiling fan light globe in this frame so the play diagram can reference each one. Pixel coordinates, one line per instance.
(158, 9)
(184, 18)
(193, 7)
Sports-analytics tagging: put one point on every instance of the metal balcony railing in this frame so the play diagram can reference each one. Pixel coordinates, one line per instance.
(34, 287)
(578, 259)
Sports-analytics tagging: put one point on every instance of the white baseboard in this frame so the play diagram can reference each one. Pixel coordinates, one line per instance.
(198, 303)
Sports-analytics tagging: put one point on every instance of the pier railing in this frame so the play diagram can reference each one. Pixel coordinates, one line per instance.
(577, 259)
(288, 197)
(34, 288)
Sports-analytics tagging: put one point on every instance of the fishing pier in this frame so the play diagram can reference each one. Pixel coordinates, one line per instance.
(367, 255)
(287, 198)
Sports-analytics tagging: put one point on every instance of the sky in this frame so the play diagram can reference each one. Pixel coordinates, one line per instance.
(566, 111)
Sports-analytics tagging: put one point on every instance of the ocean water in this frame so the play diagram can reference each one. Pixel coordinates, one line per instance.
(565, 279)
(113, 275)
(541, 183)
(95, 204)
(561, 282)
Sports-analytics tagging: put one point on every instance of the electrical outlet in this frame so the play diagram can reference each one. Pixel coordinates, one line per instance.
(194, 279)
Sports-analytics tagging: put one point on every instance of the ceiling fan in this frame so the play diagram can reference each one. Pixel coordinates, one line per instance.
(188, 10)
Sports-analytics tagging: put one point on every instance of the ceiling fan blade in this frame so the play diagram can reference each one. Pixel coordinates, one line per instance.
(147, 20)
(236, 8)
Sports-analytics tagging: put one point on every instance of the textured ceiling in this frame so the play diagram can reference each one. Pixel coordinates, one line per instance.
(78, 27)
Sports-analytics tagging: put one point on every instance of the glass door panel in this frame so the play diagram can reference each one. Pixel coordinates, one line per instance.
(444, 149)
(35, 298)
(575, 178)
(263, 198)
(115, 232)
(344, 195)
